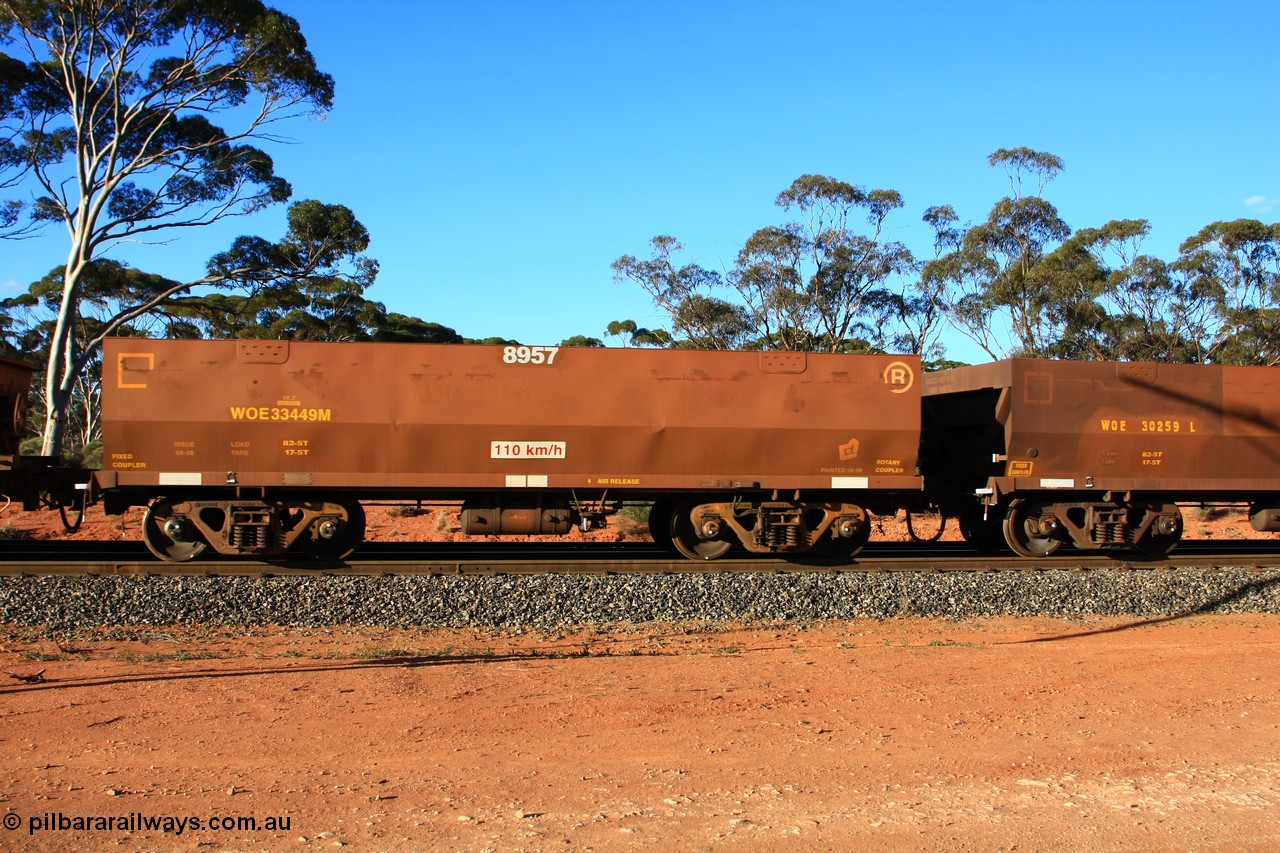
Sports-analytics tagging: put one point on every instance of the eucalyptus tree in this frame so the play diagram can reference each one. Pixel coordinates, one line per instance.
(816, 283)
(107, 128)
(1236, 265)
(582, 341)
(33, 315)
(993, 279)
(922, 308)
(313, 280)
(308, 285)
(686, 292)
(1140, 308)
(14, 76)
(632, 334)
(402, 328)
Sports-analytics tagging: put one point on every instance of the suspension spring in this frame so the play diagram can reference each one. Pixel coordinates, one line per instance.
(1111, 527)
(250, 536)
(782, 531)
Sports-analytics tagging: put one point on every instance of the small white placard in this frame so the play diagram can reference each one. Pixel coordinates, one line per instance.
(1057, 484)
(849, 482)
(181, 478)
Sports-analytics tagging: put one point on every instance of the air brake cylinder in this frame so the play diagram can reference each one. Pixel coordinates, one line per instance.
(1265, 519)
(514, 516)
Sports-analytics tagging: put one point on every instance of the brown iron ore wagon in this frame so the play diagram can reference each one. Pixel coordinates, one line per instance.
(1099, 454)
(267, 447)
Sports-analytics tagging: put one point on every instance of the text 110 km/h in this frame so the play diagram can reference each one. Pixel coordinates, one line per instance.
(526, 450)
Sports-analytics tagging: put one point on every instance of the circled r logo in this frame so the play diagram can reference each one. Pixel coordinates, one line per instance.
(899, 377)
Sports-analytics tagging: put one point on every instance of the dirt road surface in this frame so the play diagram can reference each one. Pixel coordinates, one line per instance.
(900, 735)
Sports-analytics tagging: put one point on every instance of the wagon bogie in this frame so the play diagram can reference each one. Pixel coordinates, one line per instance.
(182, 529)
(709, 528)
(1035, 527)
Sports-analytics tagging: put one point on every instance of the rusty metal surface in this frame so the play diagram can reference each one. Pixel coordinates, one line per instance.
(15, 375)
(1194, 430)
(31, 480)
(15, 383)
(410, 417)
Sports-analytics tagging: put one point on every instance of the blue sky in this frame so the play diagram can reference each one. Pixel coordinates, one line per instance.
(503, 154)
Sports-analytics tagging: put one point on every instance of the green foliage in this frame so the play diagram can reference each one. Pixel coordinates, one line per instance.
(1019, 163)
(994, 273)
(636, 512)
(1093, 294)
(1236, 266)
(1019, 283)
(308, 286)
(581, 341)
(697, 318)
(632, 335)
(404, 329)
(815, 283)
(87, 455)
(126, 89)
(491, 341)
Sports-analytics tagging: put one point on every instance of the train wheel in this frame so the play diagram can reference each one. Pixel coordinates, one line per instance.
(170, 535)
(691, 542)
(337, 536)
(1163, 536)
(1023, 532)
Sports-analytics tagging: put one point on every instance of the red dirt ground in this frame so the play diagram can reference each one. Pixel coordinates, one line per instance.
(902, 735)
(911, 734)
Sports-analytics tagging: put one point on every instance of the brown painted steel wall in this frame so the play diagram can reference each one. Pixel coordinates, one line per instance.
(15, 385)
(419, 416)
(1125, 425)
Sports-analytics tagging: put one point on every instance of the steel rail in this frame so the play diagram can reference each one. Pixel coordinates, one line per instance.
(387, 559)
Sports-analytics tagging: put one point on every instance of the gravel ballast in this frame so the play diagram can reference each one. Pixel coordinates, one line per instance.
(554, 601)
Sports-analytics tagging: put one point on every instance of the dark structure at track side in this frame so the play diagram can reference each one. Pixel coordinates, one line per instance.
(32, 481)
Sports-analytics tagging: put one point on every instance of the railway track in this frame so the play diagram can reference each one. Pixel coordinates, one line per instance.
(107, 558)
